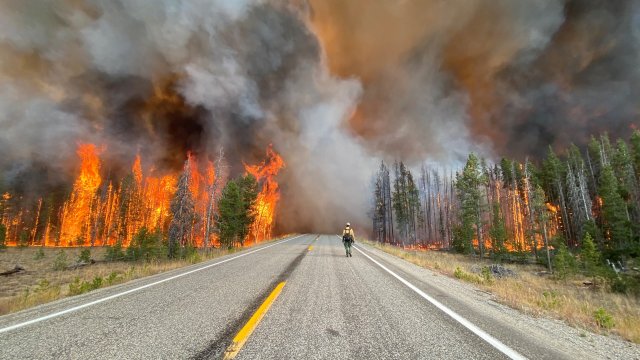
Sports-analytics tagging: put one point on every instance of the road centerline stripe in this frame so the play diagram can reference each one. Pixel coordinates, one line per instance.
(95, 302)
(241, 337)
(497, 344)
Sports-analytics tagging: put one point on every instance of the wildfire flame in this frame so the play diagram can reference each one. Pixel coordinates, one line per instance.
(551, 207)
(265, 207)
(99, 212)
(76, 213)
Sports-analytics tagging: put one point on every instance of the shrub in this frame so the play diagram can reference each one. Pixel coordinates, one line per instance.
(3, 237)
(563, 262)
(85, 256)
(487, 276)
(39, 254)
(75, 288)
(618, 285)
(78, 287)
(590, 258)
(114, 253)
(190, 253)
(462, 275)
(550, 300)
(43, 285)
(96, 283)
(111, 279)
(603, 318)
(60, 262)
(625, 284)
(146, 246)
(23, 240)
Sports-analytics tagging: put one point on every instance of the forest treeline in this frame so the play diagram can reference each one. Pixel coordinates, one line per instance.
(570, 206)
(198, 213)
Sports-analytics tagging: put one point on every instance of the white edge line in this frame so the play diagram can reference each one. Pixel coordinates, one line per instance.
(466, 323)
(76, 308)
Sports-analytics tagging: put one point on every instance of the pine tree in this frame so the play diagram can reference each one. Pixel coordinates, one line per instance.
(378, 209)
(552, 177)
(183, 211)
(506, 167)
(413, 205)
(614, 214)
(469, 186)
(249, 191)
(382, 207)
(563, 262)
(541, 216)
(628, 186)
(590, 256)
(401, 200)
(498, 232)
(635, 152)
(235, 209)
(230, 209)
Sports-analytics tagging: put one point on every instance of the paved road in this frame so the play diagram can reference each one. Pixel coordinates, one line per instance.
(331, 307)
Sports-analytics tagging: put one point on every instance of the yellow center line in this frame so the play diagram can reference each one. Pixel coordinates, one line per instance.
(310, 247)
(250, 326)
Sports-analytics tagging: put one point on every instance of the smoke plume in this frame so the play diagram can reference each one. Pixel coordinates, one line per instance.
(334, 85)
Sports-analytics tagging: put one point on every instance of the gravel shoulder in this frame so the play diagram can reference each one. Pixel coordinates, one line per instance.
(534, 337)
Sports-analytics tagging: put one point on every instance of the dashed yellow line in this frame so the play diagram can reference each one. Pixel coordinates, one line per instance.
(310, 247)
(246, 331)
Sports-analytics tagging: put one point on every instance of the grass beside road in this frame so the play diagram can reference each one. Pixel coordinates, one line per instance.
(586, 307)
(41, 282)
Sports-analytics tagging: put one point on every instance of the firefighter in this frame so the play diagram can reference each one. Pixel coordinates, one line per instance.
(348, 238)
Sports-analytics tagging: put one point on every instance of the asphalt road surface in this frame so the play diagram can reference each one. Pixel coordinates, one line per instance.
(369, 306)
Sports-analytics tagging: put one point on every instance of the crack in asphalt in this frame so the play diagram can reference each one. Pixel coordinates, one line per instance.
(217, 347)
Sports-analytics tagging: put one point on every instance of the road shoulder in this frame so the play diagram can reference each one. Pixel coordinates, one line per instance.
(503, 322)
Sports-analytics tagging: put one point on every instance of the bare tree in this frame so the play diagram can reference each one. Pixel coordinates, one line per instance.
(220, 173)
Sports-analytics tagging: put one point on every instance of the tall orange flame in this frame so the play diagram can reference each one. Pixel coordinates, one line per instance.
(265, 206)
(76, 213)
(103, 213)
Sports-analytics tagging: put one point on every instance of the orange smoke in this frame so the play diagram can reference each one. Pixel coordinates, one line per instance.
(265, 206)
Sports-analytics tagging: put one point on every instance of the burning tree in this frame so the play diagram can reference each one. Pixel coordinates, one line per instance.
(75, 228)
(569, 199)
(183, 212)
(268, 197)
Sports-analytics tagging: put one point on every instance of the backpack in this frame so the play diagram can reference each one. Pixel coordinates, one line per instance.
(347, 237)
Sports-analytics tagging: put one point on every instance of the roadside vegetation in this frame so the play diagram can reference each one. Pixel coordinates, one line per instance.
(196, 229)
(582, 298)
(569, 224)
(54, 273)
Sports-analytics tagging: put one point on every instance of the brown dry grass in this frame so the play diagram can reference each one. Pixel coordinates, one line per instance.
(40, 283)
(538, 295)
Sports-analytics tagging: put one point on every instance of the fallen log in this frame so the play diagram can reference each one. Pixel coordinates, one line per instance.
(15, 270)
(80, 264)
